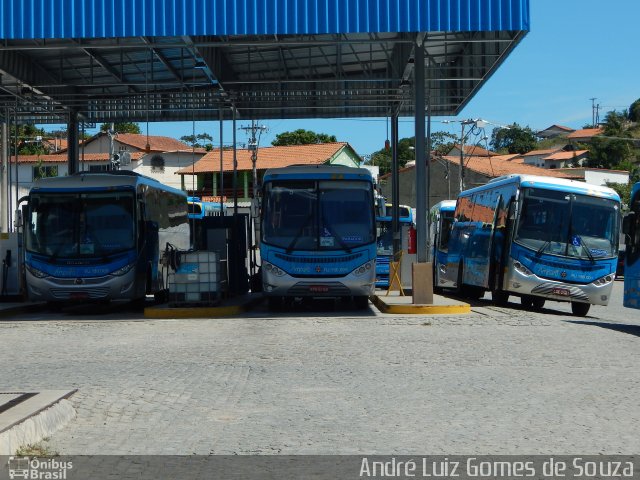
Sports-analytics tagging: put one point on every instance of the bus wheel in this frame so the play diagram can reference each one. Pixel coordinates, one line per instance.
(537, 303)
(580, 309)
(500, 297)
(274, 303)
(473, 292)
(526, 301)
(361, 301)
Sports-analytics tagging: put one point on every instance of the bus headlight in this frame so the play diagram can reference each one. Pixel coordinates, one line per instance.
(362, 269)
(603, 281)
(123, 270)
(36, 273)
(272, 269)
(522, 269)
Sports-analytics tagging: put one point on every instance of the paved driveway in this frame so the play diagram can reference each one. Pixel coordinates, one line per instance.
(500, 380)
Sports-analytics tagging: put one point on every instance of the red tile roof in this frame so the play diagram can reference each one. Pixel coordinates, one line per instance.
(268, 157)
(585, 133)
(499, 165)
(475, 150)
(156, 143)
(566, 155)
(536, 153)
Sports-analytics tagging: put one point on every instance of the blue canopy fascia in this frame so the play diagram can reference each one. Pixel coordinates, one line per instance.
(48, 19)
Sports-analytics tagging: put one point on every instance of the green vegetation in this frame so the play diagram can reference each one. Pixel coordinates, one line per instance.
(301, 137)
(124, 127)
(513, 139)
(201, 140)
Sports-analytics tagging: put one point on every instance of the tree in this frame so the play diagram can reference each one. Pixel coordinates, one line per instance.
(513, 139)
(634, 111)
(123, 127)
(608, 153)
(198, 141)
(301, 137)
(441, 144)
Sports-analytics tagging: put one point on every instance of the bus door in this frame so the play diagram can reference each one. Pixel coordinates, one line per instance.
(478, 251)
(631, 228)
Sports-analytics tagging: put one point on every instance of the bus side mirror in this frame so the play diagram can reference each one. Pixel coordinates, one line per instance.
(627, 227)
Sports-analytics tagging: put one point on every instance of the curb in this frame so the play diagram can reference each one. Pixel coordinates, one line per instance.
(34, 419)
(200, 312)
(420, 309)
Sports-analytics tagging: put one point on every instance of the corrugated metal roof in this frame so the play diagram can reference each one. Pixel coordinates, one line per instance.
(40, 19)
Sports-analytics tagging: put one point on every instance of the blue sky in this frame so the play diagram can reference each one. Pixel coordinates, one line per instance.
(576, 50)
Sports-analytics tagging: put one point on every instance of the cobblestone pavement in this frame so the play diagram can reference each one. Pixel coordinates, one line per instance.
(500, 380)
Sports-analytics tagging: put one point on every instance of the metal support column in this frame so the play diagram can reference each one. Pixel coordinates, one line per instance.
(4, 190)
(395, 186)
(421, 174)
(73, 136)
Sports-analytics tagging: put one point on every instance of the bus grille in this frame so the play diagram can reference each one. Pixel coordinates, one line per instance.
(92, 293)
(306, 289)
(294, 259)
(575, 293)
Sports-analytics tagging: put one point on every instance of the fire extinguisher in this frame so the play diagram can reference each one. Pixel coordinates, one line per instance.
(412, 247)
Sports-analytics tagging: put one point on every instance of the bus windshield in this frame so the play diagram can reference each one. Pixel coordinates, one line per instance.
(568, 224)
(318, 215)
(80, 225)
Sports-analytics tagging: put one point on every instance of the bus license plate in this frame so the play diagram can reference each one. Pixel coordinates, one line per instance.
(560, 291)
(319, 288)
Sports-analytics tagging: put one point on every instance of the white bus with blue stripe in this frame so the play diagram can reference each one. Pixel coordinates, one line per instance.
(538, 238)
(99, 236)
(318, 235)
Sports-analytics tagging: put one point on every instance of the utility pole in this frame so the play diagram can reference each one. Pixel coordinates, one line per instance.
(254, 132)
(593, 111)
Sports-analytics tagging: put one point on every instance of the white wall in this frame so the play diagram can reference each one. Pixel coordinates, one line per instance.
(601, 177)
(173, 161)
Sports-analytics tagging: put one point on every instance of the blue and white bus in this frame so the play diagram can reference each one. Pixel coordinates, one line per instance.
(317, 235)
(536, 238)
(99, 236)
(384, 242)
(199, 209)
(631, 230)
(440, 222)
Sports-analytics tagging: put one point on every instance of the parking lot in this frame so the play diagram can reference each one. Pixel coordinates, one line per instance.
(319, 380)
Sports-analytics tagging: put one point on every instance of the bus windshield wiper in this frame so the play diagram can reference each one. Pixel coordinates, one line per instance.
(584, 245)
(299, 233)
(543, 247)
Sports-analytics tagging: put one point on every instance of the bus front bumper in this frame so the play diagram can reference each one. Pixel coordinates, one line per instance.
(595, 293)
(347, 286)
(53, 289)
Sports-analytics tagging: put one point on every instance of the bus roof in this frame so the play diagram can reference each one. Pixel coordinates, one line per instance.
(549, 183)
(445, 205)
(323, 171)
(86, 180)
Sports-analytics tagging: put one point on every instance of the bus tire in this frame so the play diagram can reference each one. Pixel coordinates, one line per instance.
(500, 297)
(275, 304)
(361, 301)
(580, 309)
(526, 301)
(537, 303)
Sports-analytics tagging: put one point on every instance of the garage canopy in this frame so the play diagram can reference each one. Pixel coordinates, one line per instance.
(171, 60)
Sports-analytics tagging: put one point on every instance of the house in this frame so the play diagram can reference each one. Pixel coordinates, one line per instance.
(155, 156)
(31, 167)
(556, 157)
(585, 135)
(554, 131)
(206, 179)
(470, 150)
(599, 176)
(478, 170)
